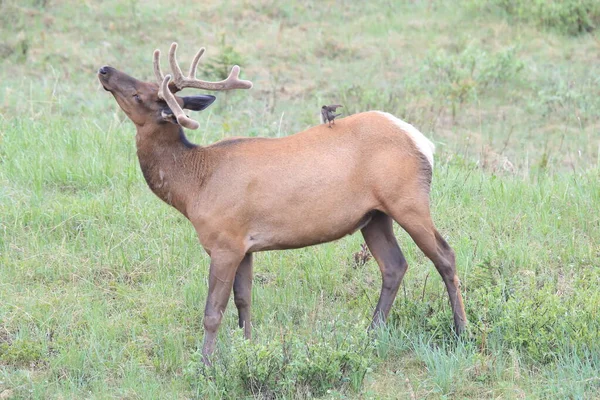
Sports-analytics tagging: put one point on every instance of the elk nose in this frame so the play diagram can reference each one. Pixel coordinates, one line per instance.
(103, 70)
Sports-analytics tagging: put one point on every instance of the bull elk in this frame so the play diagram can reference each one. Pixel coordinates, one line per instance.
(256, 194)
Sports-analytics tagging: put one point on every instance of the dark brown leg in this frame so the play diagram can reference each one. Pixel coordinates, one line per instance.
(223, 266)
(379, 236)
(242, 294)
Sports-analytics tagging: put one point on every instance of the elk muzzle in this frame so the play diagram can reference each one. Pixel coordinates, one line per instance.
(103, 76)
(113, 79)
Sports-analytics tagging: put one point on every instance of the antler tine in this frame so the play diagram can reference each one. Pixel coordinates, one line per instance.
(195, 62)
(178, 77)
(232, 81)
(158, 72)
(234, 77)
(167, 96)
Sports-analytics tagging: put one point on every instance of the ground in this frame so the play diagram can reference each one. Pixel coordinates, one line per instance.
(102, 286)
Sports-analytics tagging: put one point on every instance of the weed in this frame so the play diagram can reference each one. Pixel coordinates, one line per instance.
(220, 66)
(566, 16)
(21, 352)
(285, 367)
(463, 76)
(447, 366)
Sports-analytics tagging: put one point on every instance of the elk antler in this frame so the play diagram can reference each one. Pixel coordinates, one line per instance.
(190, 81)
(167, 96)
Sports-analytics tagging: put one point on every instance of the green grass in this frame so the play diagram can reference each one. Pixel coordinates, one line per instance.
(102, 286)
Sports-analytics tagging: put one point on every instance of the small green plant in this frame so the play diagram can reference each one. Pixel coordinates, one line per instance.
(284, 367)
(539, 324)
(333, 50)
(220, 66)
(460, 77)
(20, 352)
(447, 365)
(358, 98)
(566, 16)
(576, 101)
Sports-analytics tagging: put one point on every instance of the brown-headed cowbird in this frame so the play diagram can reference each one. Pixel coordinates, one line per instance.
(327, 113)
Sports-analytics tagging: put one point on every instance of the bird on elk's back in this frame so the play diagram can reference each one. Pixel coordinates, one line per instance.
(327, 113)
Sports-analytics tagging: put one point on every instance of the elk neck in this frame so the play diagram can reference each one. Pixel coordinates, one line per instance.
(172, 166)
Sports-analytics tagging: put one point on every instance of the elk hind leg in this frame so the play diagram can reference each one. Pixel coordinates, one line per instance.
(379, 236)
(416, 221)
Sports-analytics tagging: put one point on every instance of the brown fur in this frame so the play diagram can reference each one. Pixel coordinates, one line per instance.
(249, 195)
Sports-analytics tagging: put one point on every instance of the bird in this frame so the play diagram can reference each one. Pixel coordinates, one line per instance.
(327, 113)
(361, 257)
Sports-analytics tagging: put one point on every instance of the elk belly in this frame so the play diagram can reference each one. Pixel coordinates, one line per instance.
(305, 232)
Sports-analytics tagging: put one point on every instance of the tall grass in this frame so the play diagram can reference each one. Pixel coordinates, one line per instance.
(102, 286)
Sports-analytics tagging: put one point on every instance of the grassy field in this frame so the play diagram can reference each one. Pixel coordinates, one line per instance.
(102, 286)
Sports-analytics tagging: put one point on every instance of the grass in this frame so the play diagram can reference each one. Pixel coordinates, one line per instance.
(102, 286)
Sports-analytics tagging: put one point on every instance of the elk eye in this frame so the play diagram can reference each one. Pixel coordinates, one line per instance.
(137, 98)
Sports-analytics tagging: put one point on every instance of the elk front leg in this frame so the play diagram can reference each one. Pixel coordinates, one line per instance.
(223, 266)
(242, 294)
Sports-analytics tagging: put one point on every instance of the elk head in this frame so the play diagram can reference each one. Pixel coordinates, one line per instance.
(156, 103)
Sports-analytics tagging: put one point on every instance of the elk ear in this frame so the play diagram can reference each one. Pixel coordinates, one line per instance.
(198, 103)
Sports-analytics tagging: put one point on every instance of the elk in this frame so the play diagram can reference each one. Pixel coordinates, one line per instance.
(256, 194)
